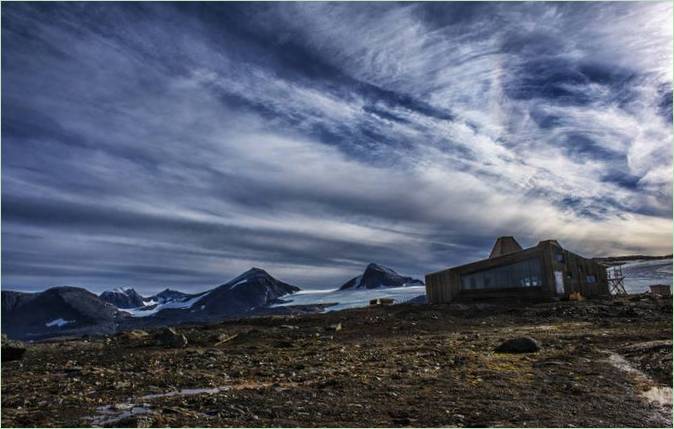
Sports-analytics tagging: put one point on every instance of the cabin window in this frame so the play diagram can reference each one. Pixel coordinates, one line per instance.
(521, 274)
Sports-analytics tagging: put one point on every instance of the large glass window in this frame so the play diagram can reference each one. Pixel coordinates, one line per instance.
(525, 273)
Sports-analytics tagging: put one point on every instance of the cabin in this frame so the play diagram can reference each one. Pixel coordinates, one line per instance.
(662, 290)
(543, 272)
(380, 302)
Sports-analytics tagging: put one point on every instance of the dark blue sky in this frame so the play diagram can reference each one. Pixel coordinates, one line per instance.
(163, 145)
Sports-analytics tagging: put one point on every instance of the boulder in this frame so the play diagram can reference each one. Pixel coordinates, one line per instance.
(519, 345)
(169, 337)
(11, 349)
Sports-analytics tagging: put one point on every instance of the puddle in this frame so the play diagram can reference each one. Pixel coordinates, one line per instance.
(185, 392)
(110, 414)
(621, 363)
(661, 395)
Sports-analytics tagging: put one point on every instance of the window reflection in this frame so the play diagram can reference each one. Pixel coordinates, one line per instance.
(526, 273)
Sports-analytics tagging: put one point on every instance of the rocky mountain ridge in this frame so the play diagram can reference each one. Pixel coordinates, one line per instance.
(376, 276)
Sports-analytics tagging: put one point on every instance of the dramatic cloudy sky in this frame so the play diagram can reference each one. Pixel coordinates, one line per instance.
(176, 145)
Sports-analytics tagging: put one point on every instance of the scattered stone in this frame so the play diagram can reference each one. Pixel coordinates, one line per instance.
(519, 345)
(169, 337)
(12, 349)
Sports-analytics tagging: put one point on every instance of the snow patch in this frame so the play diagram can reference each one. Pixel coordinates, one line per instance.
(351, 298)
(239, 283)
(144, 312)
(661, 395)
(186, 392)
(58, 323)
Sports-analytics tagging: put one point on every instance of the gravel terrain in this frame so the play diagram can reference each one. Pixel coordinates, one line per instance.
(601, 364)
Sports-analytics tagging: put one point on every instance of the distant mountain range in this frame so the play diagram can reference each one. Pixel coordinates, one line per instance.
(56, 310)
(72, 311)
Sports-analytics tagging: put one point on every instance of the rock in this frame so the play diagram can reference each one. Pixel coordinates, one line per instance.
(11, 349)
(519, 345)
(336, 328)
(224, 338)
(168, 337)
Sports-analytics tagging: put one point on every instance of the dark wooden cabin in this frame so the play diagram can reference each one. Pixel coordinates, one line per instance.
(542, 272)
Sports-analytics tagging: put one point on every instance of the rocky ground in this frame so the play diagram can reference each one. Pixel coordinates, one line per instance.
(601, 363)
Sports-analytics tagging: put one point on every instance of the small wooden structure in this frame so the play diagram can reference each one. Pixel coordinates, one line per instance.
(662, 290)
(379, 302)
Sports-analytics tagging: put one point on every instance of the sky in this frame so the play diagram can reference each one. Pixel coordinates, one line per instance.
(155, 145)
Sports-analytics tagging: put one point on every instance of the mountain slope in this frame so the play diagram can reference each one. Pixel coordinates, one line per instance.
(56, 311)
(251, 290)
(168, 295)
(376, 276)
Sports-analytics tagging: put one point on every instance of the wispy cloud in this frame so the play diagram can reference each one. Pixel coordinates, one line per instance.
(313, 138)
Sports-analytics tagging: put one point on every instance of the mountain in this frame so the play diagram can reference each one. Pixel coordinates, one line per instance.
(56, 311)
(252, 290)
(168, 295)
(376, 276)
(75, 311)
(123, 298)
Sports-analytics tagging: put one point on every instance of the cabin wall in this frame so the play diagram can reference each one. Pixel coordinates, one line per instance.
(575, 272)
(442, 287)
